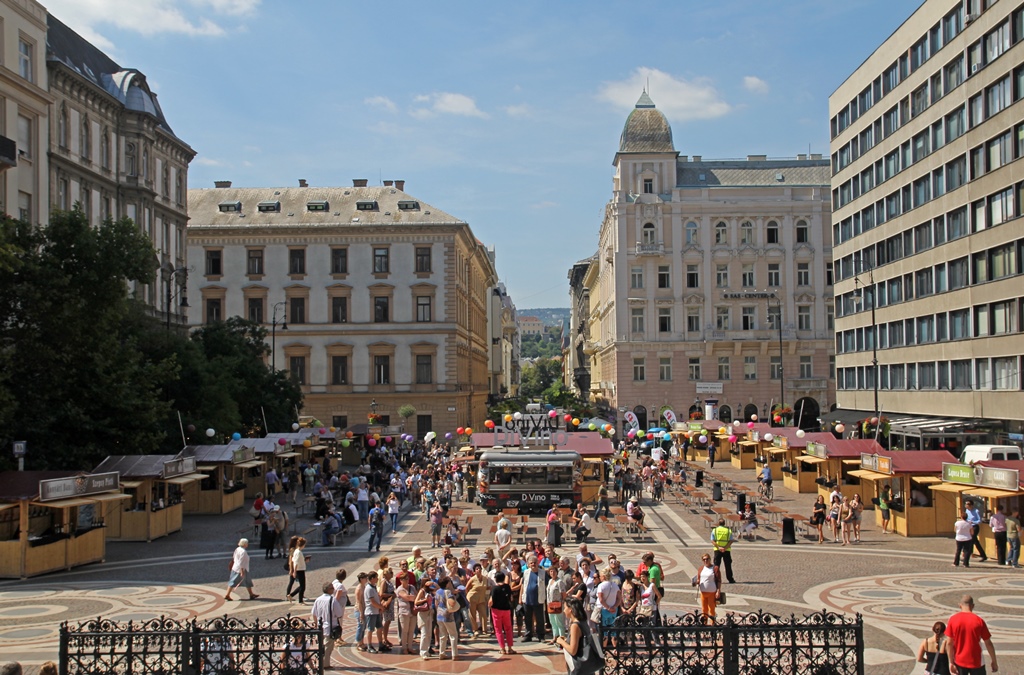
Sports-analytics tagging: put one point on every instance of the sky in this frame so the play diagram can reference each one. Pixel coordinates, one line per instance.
(507, 116)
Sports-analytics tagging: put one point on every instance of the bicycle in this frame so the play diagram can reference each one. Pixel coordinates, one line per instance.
(766, 491)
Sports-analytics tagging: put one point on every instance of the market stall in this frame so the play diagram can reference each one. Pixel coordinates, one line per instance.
(797, 473)
(224, 469)
(155, 484)
(834, 459)
(907, 476)
(988, 484)
(53, 520)
(269, 452)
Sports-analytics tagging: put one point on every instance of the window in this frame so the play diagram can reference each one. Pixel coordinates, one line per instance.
(747, 232)
(213, 310)
(773, 275)
(636, 277)
(381, 369)
(692, 277)
(297, 366)
(130, 168)
(694, 367)
(981, 321)
(255, 310)
(802, 232)
(830, 317)
(339, 370)
(423, 308)
(637, 319)
(983, 374)
(25, 60)
(692, 233)
(748, 318)
(997, 97)
(664, 278)
(339, 261)
(831, 366)
(722, 318)
(775, 367)
(665, 368)
(381, 260)
(999, 151)
(297, 310)
(254, 261)
(664, 319)
(63, 187)
(648, 235)
(424, 369)
(381, 309)
(296, 261)
(724, 368)
(960, 324)
(62, 127)
(955, 124)
(961, 374)
(648, 186)
(213, 263)
(339, 309)
(748, 276)
(997, 42)
(1001, 207)
(749, 367)
(772, 232)
(722, 276)
(803, 317)
(1003, 317)
(956, 173)
(806, 367)
(1004, 373)
(925, 329)
(803, 274)
(693, 320)
(639, 369)
(422, 259)
(85, 144)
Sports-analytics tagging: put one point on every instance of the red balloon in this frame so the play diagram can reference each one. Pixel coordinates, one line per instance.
(323, 431)
(281, 441)
(489, 424)
(568, 417)
(778, 418)
(460, 431)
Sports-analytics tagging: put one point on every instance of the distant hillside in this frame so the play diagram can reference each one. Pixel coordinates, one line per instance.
(551, 316)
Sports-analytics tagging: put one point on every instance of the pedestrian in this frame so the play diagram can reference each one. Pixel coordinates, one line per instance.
(555, 596)
(818, 517)
(341, 595)
(833, 515)
(436, 518)
(48, 668)
(447, 607)
(375, 524)
(240, 575)
(579, 636)
(533, 597)
(711, 456)
(298, 570)
(502, 539)
(360, 594)
(423, 607)
(846, 520)
(1013, 539)
(722, 538)
(281, 530)
(998, 524)
(658, 579)
(974, 518)
(966, 631)
(708, 582)
(271, 479)
(216, 655)
(856, 512)
(650, 597)
(372, 609)
(328, 611)
(295, 656)
(602, 502)
(393, 507)
(386, 590)
(583, 523)
(962, 532)
(363, 499)
(500, 604)
(405, 597)
(477, 594)
(932, 651)
(293, 544)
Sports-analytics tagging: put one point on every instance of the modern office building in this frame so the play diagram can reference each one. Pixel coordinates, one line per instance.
(712, 282)
(927, 137)
(374, 299)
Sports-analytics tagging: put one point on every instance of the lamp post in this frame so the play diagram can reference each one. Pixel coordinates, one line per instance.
(782, 376)
(273, 330)
(172, 274)
(373, 406)
(858, 296)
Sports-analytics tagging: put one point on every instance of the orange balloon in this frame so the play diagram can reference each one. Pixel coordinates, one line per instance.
(376, 437)
(348, 434)
(469, 431)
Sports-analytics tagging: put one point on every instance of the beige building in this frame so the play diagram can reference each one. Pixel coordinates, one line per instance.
(695, 260)
(503, 332)
(24, 111)
(531, 325)
(113, 153)
(385, 297)
(926, 145)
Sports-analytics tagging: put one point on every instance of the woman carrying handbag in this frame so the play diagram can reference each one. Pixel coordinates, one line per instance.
(583, 655)
(932, 651)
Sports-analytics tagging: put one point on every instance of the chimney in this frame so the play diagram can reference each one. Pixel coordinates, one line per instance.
(400, 185)
(359, 182)
(222, 183)
(696, 158)
(303, 183)
(389, 183)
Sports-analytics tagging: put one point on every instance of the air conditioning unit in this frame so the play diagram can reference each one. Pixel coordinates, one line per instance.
(971, 18)
(974, 68)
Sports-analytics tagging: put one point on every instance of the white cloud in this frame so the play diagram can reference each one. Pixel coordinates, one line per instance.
(446, 103)
(680, 99)
(521, 110)
(544, 205)
(381, 102)
(208, 161)
(755, 85)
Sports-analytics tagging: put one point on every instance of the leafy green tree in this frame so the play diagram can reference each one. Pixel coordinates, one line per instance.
(538, 376)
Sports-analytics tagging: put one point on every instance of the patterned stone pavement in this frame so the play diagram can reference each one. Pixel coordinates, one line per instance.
(900, 586)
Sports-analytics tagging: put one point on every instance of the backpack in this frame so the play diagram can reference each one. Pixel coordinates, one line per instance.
(378, 516)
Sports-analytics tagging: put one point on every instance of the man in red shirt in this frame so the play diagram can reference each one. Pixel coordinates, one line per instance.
(966, 631)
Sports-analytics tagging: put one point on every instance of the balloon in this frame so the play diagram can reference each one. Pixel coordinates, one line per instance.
(333, 429)
(768, 437)
(460, 431)
(376, 437)
(507, 417)
(753, 418)
(489, 424)
(322, 430)
(348, 434)
(631, 433)
(345, 443)
(448, 435)
(551, 413)
(567, 417)
(307, 443)
(750, 425)
(295, 426)
(517, 416)
(732, 439)
(371, 442)
(575, 421)
(236, 436)
(778, 418)
(469, 431)
(282, 441)
(703, 439)
(735, 423)
(874, 420)
(191, 428)
(667, 436)
(591, 426)
(840, 428)
(721, 430)
(387, 439)
(210, 432)
(800, 433)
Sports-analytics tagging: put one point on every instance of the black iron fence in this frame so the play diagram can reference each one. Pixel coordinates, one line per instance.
(284, 646)
(823, 643)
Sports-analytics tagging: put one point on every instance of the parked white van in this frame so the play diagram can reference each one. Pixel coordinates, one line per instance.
(977, 453)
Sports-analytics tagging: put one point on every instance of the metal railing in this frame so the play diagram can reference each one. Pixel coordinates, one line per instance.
(824, 643)
(166, 646)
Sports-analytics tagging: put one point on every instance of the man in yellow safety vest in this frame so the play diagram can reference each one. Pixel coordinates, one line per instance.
(722, 539)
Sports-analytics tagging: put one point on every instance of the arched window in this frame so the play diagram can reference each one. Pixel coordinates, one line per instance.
(725, 414)
(178, 191)
(803, 234)
(165, 182)
(105, 149)
(85, 140)
(62, 126)
(130, 167)
(721, 233)
(145, 163)
(648, 234)
(747, 232)
(749, 411)
(772, 233)
(692, 233)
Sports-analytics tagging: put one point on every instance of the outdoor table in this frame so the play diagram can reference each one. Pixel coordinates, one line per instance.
(774, 512)
(722, 510)
(736, 520)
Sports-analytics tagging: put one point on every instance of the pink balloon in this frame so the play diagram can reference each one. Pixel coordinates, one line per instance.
(631, 433)
(282, 441)
(552, 413)
(732, 439)
(387, 439)
(323, 430)
(371, 442)
(750, 425)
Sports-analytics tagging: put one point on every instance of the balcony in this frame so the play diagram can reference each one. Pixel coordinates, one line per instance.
(650, 248)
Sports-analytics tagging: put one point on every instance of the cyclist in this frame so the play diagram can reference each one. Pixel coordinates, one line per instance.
(765, 478)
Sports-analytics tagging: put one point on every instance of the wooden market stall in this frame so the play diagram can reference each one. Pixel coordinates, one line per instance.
(156, 485)
(269, 452)
(834, 459)
(54, 520)
(225, 469)
(914, 509)
(785, 451)
(988, 484)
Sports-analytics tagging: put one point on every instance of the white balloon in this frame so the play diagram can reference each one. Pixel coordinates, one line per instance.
(295, 426)
(753, 418)
(840, 428)
(735, 423)
(517, 415)
(210, 432)
(800, 433)
(768, 437)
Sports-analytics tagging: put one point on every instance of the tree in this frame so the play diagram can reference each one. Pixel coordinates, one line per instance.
(538, 376)
(405, 412)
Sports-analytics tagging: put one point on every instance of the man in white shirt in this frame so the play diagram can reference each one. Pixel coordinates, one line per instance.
(835, 493)
(329, 612)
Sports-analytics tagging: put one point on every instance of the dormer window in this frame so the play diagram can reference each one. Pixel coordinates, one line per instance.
(269, 207)
(648, 186)
(366, 205)
(318, 205)
(230, 207)
(408, 205)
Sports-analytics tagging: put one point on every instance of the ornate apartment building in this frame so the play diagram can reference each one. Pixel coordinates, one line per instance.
(503, 329)
(712, 282)
(927, 148)
(374, 298)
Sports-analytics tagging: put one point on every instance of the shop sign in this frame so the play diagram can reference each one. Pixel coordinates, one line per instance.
(982, 476)
(179, 467)
(816, 450)
(878, 463)
(243, 454)
(696, 426)
(709, 387)
(78, 486)
(780, 442)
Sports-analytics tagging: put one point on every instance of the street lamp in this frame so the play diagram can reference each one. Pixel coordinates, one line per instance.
(273, 330)
(373, 406)
(782, 376)
(858, 297)
(172, 274)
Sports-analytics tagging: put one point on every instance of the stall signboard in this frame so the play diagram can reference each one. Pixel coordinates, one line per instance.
(178, 467)
(243, 454)
(982, 476)
(372, 429)
(878, 463)
(816, 450)
(696, 426)
(780, 442)
(78, 486)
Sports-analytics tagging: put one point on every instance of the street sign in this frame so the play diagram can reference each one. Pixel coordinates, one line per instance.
(451, 408)
(19, 448)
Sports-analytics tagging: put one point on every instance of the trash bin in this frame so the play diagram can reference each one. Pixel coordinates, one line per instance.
(741, 501)
(788, 531)
(716, 492)
(698, 480)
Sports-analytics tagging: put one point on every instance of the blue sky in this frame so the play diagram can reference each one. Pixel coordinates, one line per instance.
(506, 115)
